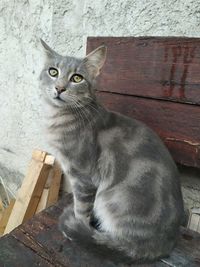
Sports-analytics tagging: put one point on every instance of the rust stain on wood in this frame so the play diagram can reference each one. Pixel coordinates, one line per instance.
(171, 55)
(156, 80)
(183, 141)
(161, 68)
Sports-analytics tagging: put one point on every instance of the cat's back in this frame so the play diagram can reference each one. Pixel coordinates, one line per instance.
(133, 137)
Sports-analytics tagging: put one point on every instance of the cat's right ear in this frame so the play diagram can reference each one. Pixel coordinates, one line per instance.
(49, 52)
(95, 60)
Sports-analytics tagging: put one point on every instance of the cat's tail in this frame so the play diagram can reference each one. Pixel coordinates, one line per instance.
(97, 243)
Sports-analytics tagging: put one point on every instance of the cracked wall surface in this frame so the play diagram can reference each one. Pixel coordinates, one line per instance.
(65, 25)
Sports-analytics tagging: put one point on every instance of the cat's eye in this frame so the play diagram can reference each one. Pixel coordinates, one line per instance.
(53, 72)
(76, 78)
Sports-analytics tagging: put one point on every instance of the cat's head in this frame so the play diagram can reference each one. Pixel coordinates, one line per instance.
(69, 81)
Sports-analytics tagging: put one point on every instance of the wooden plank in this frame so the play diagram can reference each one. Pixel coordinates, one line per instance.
(1, 209)
(55, 185)
(39, 155)
(29, 194)
(1, 205)
(159, 68)
(175, 123)
(51, 191)
(50, 160)
(155, 67)
(40, 243)
(44, 231)
(6, 216)
(16, 254)
(43, 200)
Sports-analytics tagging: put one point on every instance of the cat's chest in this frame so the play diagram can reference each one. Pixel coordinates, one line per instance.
(64, 161)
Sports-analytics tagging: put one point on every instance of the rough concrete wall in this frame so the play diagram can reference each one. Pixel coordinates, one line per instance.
(65, 24)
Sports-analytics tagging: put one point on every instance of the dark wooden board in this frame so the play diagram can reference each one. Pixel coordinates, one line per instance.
(172, 121)
(156, 80)
(39, 243)
(157, 67)
(16, 254)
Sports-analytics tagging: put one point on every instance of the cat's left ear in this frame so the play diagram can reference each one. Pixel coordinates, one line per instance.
(95, 60)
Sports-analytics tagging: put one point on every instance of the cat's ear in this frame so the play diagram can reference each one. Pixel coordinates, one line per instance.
(95, 60)
(49, 52)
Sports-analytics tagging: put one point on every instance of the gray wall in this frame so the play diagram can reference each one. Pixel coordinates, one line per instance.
(65, 24)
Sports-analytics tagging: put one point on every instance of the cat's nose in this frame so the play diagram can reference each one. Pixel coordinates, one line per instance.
(60, 89)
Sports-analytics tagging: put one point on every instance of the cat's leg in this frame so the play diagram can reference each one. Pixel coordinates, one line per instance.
(83, 201)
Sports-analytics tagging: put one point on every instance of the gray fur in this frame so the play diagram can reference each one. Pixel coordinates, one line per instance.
(120, 172)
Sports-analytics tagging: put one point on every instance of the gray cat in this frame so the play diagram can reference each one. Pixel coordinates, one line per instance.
(126, 191)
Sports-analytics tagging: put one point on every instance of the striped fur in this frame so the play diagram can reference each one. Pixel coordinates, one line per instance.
(126, 190)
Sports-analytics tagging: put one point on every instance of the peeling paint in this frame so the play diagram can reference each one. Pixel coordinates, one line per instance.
(182, 141)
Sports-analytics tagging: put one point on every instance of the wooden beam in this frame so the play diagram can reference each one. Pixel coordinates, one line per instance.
(1, 208)
(43, 200)
(6, 216)
(30, 192)
(175, 123)
(55, 185)
(51, 191)
(39, 155)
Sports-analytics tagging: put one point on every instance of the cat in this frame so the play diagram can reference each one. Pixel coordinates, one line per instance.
(127, 201)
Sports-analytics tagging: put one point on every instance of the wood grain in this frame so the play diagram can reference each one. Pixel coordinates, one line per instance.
(156, 80)
(157, 67)
(55, 185)
(30, 192)
(183, 142)
(5, 216)
(39, 240)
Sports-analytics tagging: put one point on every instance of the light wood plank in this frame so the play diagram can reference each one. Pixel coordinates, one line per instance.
(30, 192)
(51, 191)
(5, 216)
(39, 155)
(43, 200)
(1, 208)
(50, 160)
(55, 185)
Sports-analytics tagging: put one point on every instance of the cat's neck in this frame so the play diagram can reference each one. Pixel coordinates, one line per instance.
(85, 118)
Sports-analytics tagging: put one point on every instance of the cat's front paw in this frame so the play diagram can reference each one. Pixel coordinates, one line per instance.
(85, 219)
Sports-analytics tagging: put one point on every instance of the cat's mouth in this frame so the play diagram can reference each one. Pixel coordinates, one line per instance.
(58, 98)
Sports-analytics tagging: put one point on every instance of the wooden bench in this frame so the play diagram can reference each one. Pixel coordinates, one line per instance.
(39, 243)
(155, 80)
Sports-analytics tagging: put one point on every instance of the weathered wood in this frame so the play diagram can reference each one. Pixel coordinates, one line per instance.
(157, 67)
(14, 253)
(43, 200)
(30, 192)
(143, 77)
(40, 238)
(183, 142)
(55, 185)
(51, 190)
(39, 155)
(6, 216)
(1, 209)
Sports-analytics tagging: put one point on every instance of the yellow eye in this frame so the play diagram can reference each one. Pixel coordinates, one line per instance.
(53, 72)
(76, 78)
